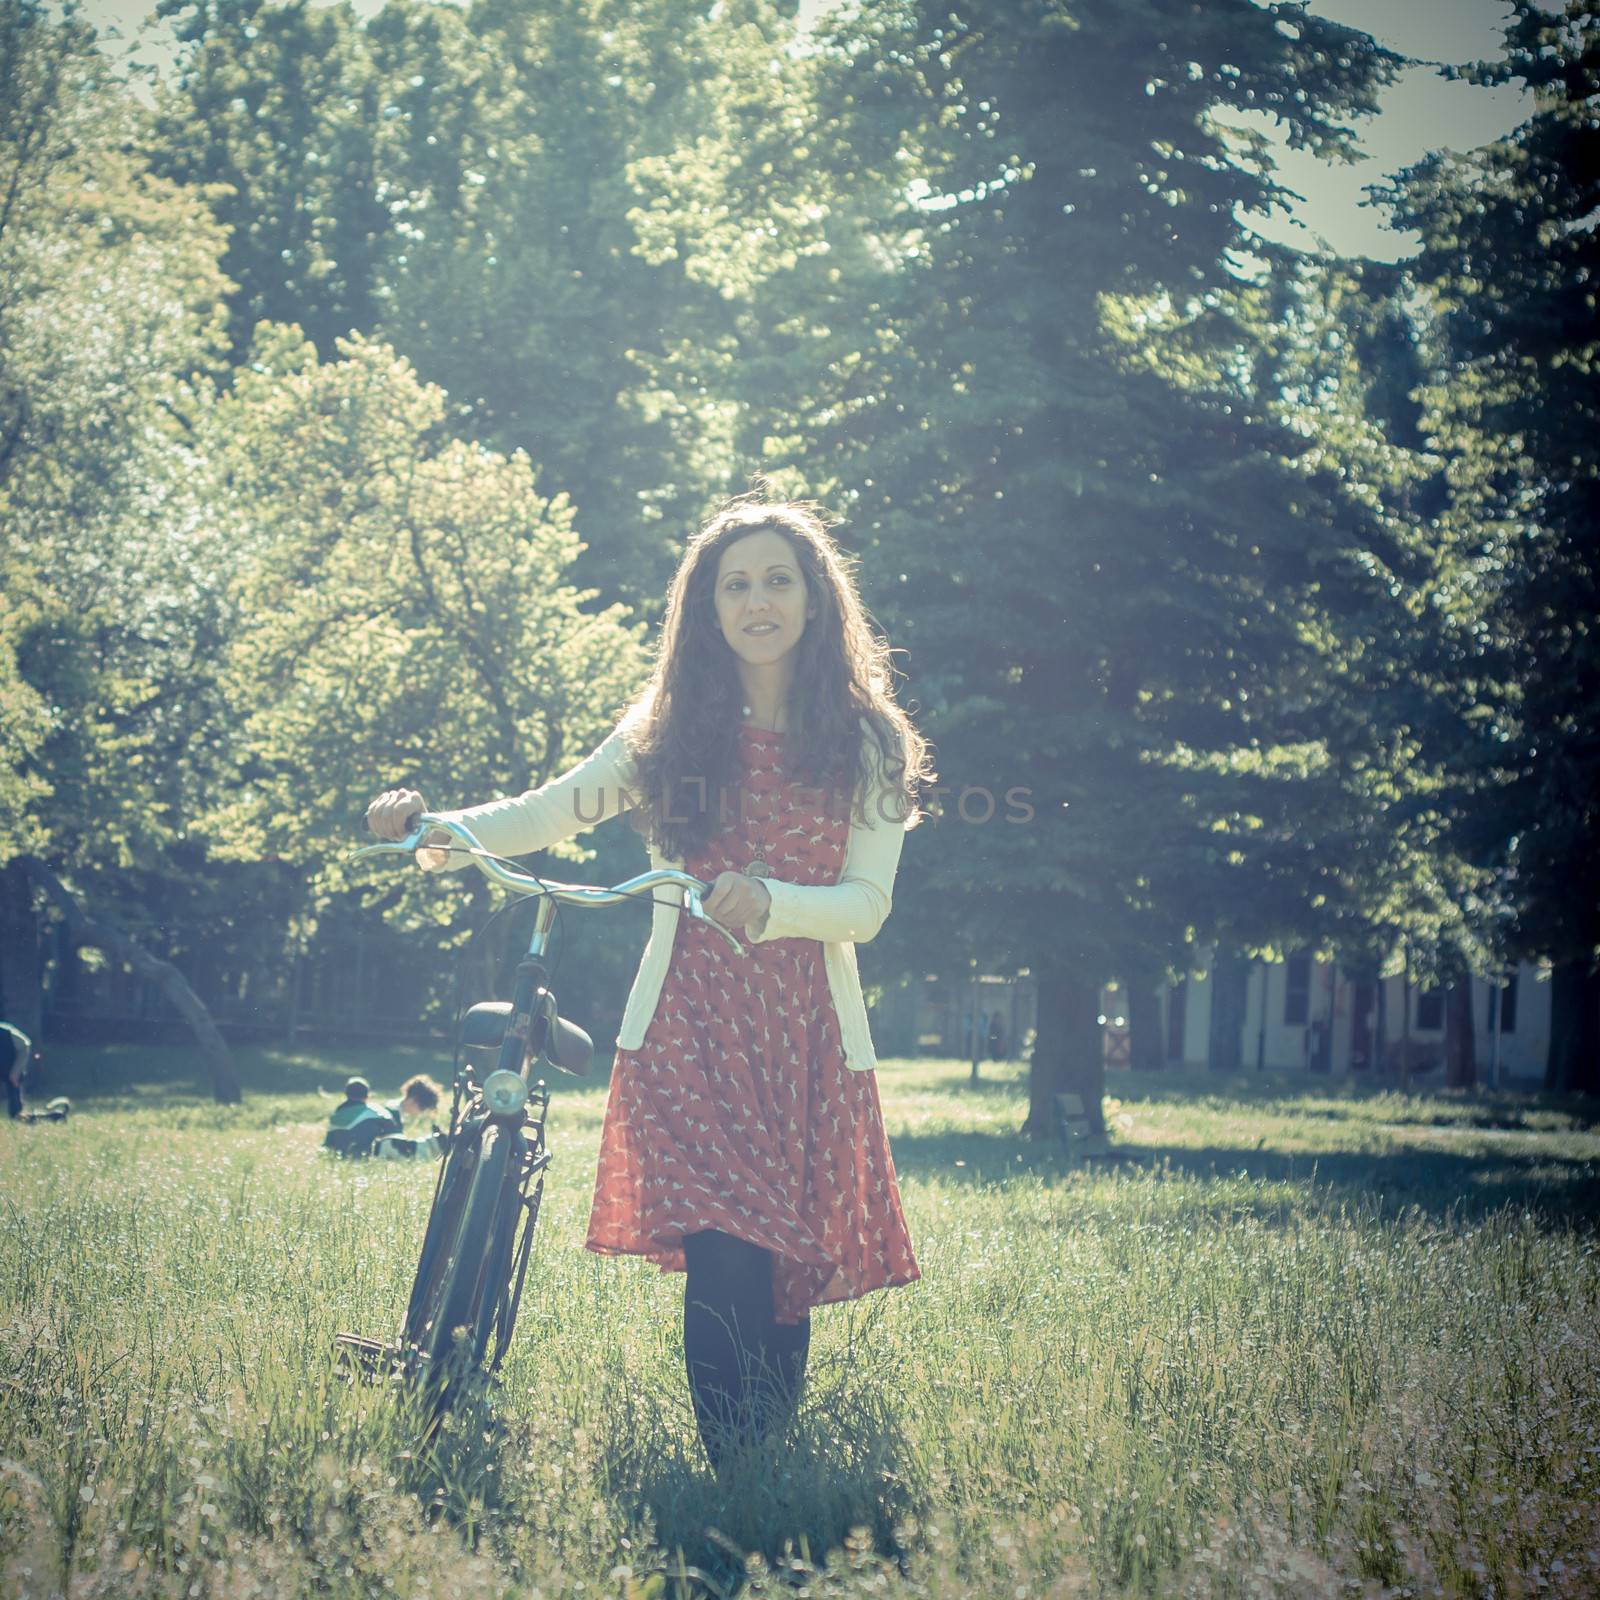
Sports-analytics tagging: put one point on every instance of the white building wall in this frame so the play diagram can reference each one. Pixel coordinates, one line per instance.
(1289, 1046)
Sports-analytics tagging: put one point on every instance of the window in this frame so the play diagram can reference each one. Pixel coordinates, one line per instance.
(1430, 1008)
(1297, 992)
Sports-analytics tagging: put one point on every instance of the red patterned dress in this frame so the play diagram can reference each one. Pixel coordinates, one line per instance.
(737, 1112)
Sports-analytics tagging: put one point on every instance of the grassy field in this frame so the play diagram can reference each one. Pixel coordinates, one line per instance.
(1309, 1341)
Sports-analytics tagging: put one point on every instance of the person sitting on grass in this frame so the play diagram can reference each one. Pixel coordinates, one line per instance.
(21, 1048)
(22, 1052)
(356, 1124)
(417, 1096)
(357, 1127)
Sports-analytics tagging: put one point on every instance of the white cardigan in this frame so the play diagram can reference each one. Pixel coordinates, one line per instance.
(840, 915)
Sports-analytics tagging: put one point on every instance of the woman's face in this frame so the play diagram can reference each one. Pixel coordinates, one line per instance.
(762, 600)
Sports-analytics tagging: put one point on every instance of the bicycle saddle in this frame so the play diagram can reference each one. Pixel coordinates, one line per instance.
(484, 1028)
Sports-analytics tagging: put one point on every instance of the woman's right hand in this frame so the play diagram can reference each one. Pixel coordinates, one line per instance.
(394, 813)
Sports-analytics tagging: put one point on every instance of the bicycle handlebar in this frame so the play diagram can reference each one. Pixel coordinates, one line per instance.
(508, 877)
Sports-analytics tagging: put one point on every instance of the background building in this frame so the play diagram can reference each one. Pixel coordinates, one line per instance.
(1311, 1014)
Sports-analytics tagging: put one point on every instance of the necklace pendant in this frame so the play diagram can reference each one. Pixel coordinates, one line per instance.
(758, 869)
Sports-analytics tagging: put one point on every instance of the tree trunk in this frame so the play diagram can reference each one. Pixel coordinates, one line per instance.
(1460, 1052)
(977, 1043)
(1380, 1024)
(292, 1029)
(1068, 1052)
(61, 993)
(1177, 1020)
(1146, 1047)
(1405, 1024)
(21, 988)
(1230, 978)
(106, 935)
(1572, 1065)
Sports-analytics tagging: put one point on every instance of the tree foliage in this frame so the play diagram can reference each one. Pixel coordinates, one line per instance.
(348, 394)
(469, 186)
(1026, 349)
(108, 322)
(1510, 258)
(109, 329)
(406, 617)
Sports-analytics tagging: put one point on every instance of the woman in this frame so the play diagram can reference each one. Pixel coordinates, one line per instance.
(743, 1141)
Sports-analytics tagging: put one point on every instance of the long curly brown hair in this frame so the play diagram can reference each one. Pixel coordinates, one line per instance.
(683, 728)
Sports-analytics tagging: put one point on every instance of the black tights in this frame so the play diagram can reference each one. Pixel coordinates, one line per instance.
(745, 1368)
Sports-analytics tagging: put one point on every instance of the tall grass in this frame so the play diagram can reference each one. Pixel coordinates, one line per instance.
(1309, 1341)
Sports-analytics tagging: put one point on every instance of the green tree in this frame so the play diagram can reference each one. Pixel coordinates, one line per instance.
(275, 114)
(466, 185)
(109, 323)
(1510, 257)
(521, 293)
(405, 617)
(1030, 361)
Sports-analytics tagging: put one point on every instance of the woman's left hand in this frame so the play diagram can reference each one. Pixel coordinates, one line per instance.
(737, 900)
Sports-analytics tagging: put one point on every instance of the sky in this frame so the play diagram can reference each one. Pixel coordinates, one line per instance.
(1421, 112)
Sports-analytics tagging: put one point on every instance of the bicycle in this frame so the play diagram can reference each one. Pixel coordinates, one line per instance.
(470, 1274)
